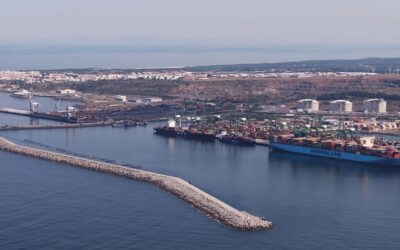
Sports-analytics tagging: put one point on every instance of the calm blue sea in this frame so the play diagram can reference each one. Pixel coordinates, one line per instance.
(56, 56)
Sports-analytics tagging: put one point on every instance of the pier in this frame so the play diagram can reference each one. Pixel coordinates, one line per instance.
(206, 203)
(46, 116)
(54, 126)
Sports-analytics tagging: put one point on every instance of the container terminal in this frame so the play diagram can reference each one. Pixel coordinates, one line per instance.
(339, 138)
(338, 126)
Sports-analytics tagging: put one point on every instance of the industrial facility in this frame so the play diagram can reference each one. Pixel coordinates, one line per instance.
(375, 106)
(339, 106)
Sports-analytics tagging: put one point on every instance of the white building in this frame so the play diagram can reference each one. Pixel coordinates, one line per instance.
(308, 105)
(66, 91)
(375, 106)
(135, 100)
(121, 98)
(341, 106)
(153, 99)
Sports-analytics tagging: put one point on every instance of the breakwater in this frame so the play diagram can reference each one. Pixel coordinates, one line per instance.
(206, 203)
(91, 157)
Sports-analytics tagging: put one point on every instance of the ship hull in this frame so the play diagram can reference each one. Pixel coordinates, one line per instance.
(167, 132)
(59, 118)
(199, 136)
(332, 154)
(239, 142)
(20, 96)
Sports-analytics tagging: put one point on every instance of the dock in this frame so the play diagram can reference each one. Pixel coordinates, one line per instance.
(199, 199)
(46, 116)
(14, 111)
(53, 126)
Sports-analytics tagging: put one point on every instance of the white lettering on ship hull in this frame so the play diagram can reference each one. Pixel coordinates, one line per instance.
(326, 153)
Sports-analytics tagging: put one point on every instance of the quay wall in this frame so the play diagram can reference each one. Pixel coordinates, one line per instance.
(53, 126)
(206, 203)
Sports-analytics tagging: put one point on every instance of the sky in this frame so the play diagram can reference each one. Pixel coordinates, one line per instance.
(261, 22)
(217, 24)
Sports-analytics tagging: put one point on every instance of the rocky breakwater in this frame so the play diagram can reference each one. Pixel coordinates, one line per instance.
(206, 203)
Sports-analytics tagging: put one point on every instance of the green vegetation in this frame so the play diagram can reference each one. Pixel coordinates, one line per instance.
(381, 65)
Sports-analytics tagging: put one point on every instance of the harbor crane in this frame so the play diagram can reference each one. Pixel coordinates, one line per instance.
(34, 106)
(57, 106)
(368, 67)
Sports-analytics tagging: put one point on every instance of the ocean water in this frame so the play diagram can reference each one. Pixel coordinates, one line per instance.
(150, 56)
(315, 203)
(6, 119)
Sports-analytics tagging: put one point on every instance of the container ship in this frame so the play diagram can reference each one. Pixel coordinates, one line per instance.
(169, 130)
(359, 149)
(55, 117)
(172, 130)
(196, 134)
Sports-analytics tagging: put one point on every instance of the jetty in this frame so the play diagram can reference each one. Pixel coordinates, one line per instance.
(39, 115)
(54, 126)
(199, 199)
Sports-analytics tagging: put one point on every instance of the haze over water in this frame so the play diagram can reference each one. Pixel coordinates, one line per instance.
(315, 203)
(17, 57)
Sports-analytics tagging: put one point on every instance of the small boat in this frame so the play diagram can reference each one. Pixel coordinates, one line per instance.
(21, 94)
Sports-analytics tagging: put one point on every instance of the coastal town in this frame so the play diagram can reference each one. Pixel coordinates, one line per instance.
(33, 77)
(355, 100)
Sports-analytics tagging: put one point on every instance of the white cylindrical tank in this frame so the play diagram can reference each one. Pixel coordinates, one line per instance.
(341, 106)
(308, 104)
(375, 106)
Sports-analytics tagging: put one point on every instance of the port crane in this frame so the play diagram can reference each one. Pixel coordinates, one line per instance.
(34, 106)
(368, 67)
(57, 106)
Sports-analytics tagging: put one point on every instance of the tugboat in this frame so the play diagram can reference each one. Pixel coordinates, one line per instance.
(129, 123)
(119, 124)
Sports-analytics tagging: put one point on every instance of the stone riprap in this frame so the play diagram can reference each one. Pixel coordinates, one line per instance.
(206, 203)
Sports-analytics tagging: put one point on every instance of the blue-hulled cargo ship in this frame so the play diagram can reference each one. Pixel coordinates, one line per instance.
(354, 151)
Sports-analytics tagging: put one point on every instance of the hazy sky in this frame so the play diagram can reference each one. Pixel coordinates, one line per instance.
(44, 34)
(230, 22)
